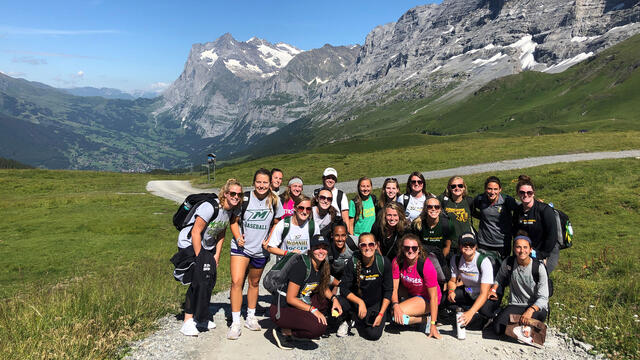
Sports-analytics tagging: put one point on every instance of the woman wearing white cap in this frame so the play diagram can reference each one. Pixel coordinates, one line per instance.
(340, 202)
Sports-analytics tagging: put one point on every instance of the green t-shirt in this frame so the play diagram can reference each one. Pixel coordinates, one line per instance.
(367, 217)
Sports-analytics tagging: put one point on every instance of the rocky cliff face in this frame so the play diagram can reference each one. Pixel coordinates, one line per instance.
(234, 92)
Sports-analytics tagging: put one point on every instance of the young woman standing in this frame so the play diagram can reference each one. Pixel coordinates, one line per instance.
(297, 230)
(423, 291)
(495, 212)
(288, 198)
(362, 209)
(389, 228)
(457, 205)
(365, 290)
(304, 311)
(413, 200)
(201, 244)
(538, 220)
(250, 229)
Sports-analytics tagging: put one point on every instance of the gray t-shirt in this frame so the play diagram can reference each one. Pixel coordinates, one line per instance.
(414, 207)
(256, 225)
(216, 226)
(524, 290)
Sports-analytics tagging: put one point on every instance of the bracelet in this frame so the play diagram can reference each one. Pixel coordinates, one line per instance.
(313, 309)
(310, 307)
(433, 322)
(394, 303)
(493, 290)
(286, 252)
(450, 291)
(333, 297)
(381, 314)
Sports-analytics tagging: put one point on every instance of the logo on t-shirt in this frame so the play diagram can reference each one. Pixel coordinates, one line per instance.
(258, 215)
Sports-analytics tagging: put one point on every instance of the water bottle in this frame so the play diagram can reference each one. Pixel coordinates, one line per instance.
(460, 330)
(405, 319)
(427, 329)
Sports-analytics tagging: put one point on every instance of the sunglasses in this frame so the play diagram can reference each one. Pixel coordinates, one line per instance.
(410, 248)
(467, 245)
(302, 208)
(391, 179)
(433, 207)
(233, 193)
(331, 177)
(419, 182)
(325, 198)
(523, 193)
(370, 245)
(453, 186)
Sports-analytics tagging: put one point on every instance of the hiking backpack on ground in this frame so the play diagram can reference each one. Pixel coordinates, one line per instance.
(188, 208)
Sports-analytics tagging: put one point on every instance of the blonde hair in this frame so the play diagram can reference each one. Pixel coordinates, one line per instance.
(452, 179)
(417, 223)
(225, 189)
(402, 221)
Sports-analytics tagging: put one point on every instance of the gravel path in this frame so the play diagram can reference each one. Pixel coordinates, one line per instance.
(168, 343)
(177, 190)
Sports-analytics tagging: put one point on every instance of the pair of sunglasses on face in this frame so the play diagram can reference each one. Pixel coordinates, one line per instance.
(523, 193)
(433, 207)
(325, 198)
(303, 208)
(453, 186)
(370, 245)
(234, 194)
(417, 182)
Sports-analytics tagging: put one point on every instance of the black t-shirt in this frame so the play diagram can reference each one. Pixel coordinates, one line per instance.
(374, 285)
(388, 244)
(297, 275)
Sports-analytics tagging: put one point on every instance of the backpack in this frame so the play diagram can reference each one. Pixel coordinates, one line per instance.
(287, 226)
(275, 281)
(565, 230)
(190, 205)
(405, 201)
(338, 199)
(535, 271)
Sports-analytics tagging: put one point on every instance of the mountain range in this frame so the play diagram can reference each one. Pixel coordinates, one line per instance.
(251, 98)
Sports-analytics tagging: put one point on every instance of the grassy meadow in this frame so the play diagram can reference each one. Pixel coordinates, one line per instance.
(86, 267)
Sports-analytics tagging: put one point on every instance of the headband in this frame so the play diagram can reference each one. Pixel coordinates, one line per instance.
(295, 180)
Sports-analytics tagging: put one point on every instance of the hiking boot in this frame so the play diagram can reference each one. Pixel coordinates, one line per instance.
(234, 331)
(282, 340)
(343, 329)
(251, 323)
(189, 328)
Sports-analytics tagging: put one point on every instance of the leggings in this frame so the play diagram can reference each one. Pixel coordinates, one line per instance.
(502, 320)
(350, 311)
(302, 323)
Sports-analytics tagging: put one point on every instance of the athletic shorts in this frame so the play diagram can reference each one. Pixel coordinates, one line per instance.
(255, 262)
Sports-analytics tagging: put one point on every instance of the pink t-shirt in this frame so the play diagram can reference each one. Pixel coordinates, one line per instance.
(288, 208)
(410, 278)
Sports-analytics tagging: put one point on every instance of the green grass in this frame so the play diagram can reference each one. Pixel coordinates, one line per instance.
(86, 269)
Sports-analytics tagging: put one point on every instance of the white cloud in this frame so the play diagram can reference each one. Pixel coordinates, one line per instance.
(78, 75)
(33, 31)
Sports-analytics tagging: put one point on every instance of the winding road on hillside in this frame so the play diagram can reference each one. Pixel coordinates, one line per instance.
(168, 343)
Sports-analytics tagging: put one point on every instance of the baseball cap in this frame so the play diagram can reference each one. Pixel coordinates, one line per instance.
(318, 240)
(330, 171)
(467, 238)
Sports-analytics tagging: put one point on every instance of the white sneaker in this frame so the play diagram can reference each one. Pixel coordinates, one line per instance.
(251, 323)
(208, 325)
(189, 328)
(234, 331)
(343, 329)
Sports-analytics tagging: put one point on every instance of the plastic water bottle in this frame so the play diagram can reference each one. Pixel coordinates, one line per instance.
(427, 329)
(460, 330)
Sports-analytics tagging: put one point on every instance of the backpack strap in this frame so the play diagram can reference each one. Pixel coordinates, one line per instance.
(285, 230)
(307, 262)
(405, 201)
(479, 261)
(245, 204)
(420, 268)
(456, 262)
(379, 263)
(535, 270)
(339, 200)
(351, 244)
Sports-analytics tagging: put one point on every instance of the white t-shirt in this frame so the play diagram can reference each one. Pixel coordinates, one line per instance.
(256, 225)
(296, 239)
(414, 207)
(321, 222)
(210, 237)
(471, 277)
(344, 202)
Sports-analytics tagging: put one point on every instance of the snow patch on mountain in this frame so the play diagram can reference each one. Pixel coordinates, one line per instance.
(526, 46)
(565, 64)
(493, 59)
(209, 54)
(236, 67)
(279, 56)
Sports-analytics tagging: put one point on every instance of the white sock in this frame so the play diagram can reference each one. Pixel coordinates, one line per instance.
(251, 312)
(235, 317)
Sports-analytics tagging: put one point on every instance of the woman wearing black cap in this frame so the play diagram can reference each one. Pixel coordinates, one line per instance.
(303, 310)
(476, 273)
(365, 290)
(528, 281)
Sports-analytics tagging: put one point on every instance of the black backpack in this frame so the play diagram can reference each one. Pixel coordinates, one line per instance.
(275, 281)
(188, 208)
(535, 271)
(565, 230)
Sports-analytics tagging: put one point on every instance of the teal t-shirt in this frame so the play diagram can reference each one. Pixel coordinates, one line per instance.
(367, 217)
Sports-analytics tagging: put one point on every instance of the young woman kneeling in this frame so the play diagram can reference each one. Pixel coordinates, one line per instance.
(421, 285)
(365, 290)
(303, 312)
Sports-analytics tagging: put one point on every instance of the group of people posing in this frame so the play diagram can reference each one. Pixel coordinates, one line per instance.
(408, 258)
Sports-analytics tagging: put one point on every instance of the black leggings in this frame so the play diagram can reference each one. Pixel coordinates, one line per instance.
(502, 320)
(350, 311)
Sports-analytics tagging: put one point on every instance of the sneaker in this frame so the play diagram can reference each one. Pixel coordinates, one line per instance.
(281, 339)
(207, 325)
(189, 328)
(234, 331)
(343, 329)
(251, 323)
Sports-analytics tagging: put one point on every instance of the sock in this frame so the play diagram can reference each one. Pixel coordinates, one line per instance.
(251, 312)
(235, 317)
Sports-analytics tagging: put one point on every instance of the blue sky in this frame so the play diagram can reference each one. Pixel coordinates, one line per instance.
(144, 44)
